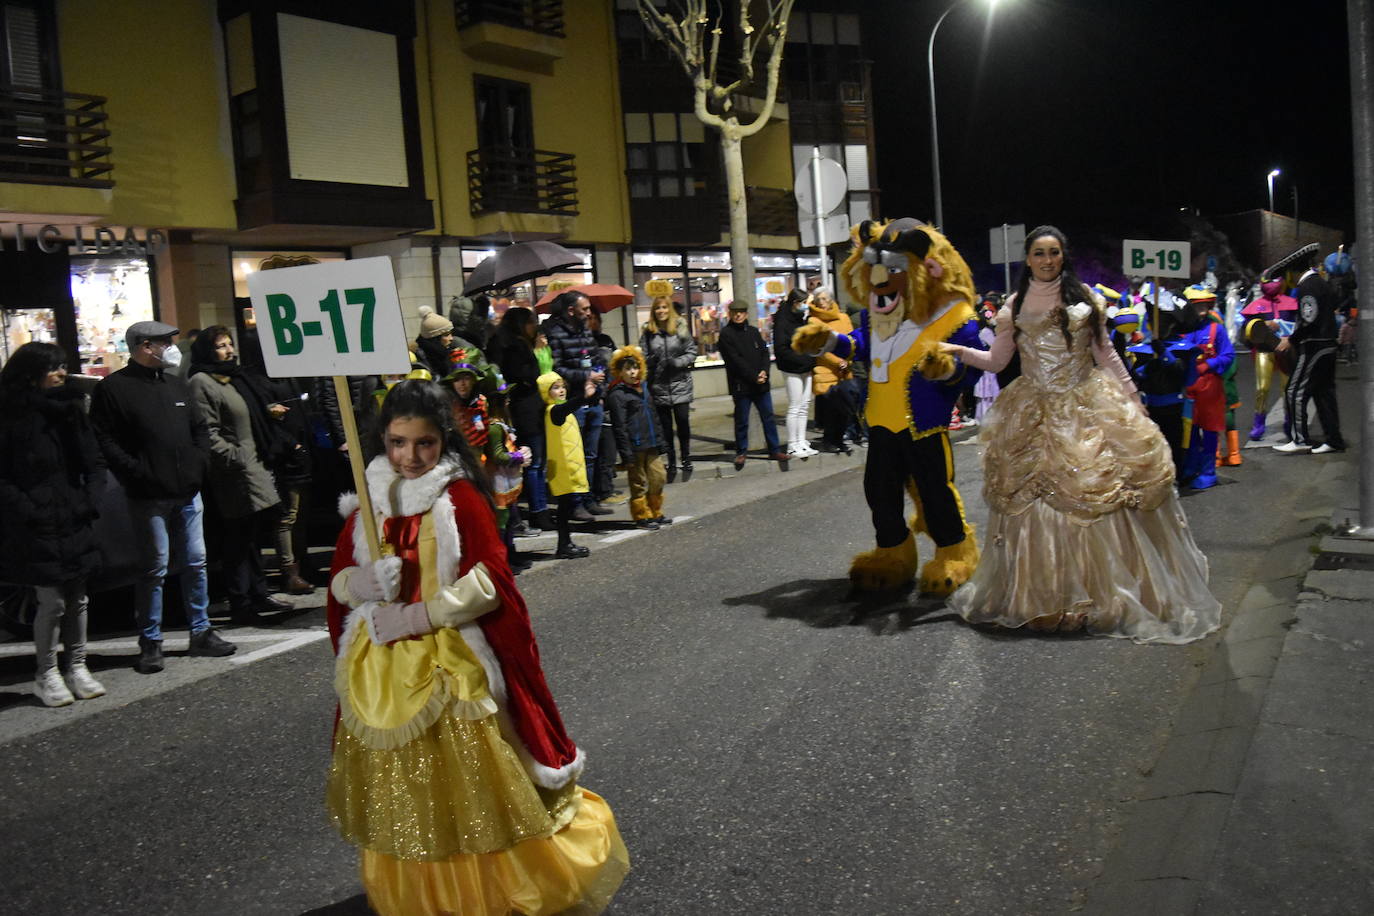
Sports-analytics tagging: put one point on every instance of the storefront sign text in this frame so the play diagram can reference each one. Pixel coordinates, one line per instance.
(50, 239)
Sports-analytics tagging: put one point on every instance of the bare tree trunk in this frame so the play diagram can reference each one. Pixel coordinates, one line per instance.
(741, 261)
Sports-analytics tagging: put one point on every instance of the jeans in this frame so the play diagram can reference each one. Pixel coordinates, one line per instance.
(676, 415)
(242, 560)
(798, 404)
(61, 613)
(589, 420)
(536, 487)
(763, 402)
(164, 525)
(292, 545)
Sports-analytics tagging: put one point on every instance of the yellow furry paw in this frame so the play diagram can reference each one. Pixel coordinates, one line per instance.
(950, 568)
(810, 338)
(885, 568)
(935, 366)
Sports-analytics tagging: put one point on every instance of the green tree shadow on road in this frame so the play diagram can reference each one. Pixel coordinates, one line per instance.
(825, 603)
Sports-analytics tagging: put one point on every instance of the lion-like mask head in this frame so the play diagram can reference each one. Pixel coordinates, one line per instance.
(903, 270)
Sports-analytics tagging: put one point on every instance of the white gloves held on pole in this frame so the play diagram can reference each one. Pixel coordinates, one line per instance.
(371, 588)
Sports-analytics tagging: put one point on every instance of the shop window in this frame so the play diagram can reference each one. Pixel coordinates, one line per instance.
(109, 295)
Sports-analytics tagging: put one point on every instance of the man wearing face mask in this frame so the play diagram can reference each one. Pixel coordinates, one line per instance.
(157, 446)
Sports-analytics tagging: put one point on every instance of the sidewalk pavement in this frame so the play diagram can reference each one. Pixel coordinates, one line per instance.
(1261, 801)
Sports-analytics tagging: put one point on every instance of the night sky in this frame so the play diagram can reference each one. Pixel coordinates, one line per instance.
(1106, 117)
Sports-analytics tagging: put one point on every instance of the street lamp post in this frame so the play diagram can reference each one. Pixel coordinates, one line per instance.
(1271, 176)
(934, 125)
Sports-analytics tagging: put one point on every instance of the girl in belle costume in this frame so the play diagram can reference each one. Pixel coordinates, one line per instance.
(452, 771)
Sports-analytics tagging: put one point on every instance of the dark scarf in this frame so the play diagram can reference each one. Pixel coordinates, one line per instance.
(272, 440)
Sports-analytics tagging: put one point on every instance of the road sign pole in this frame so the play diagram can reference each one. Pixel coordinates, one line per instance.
(1006, 259)
(355, 461)
(820, 217)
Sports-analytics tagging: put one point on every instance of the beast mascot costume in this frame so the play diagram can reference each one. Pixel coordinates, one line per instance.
(919, 293)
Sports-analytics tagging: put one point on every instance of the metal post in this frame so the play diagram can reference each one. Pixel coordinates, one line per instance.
(1360, 19)
(820, 217)
(934, 124)
(1006, 260)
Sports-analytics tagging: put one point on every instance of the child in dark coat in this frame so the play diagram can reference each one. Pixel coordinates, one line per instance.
(638, 438)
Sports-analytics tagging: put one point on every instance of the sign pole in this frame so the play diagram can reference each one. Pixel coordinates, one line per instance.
(1154, 319)
(355, 461)
(1006, 260)
(820, 217)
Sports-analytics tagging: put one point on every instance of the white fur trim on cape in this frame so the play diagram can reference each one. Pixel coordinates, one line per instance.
(449, 552)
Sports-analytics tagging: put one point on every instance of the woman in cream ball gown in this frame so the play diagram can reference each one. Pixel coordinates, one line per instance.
(1085, 529)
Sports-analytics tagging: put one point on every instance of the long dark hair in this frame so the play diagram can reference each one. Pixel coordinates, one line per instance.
(1071, 289)
(513, 324)
(423, 400)
(29, 365)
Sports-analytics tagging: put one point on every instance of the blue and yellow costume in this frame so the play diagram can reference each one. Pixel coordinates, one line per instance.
(920, 294)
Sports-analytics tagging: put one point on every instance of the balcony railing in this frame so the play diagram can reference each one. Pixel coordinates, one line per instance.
(504, 179)
(53, 138)
(542, 16)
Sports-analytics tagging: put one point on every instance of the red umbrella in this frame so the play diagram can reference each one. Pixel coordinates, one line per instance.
(603, 296)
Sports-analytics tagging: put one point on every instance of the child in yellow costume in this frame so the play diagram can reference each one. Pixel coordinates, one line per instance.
(919, 293)
(451, 771)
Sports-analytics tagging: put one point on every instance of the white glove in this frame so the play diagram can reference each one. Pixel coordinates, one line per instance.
(467, 599)
(387, 623)
(376, 581)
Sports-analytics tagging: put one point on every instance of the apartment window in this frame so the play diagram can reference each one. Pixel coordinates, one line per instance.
(30, 76)
(667, 154)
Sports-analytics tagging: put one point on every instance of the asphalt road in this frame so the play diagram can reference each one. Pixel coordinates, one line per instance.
(771, 744)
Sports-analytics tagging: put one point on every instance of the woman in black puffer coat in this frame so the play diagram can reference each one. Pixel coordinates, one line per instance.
(670, 353)
(49, 467)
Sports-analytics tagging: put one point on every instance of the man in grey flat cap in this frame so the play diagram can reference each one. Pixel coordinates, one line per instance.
(157, 446)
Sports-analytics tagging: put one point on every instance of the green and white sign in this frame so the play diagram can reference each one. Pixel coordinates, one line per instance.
(341, 318)
(1144, 258)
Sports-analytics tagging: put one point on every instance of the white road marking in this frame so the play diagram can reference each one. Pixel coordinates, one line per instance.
(300, 639)
(169, 643)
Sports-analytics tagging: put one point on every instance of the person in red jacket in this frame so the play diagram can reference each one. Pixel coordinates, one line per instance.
(451, 768)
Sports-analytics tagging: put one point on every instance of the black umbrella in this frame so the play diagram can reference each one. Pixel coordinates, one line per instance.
(521, 261)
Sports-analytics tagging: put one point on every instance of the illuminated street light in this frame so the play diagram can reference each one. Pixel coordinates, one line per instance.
(1272, 175)
(934, 127)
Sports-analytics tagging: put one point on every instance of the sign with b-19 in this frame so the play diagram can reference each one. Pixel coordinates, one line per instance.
(339, 318)
(1143, 258)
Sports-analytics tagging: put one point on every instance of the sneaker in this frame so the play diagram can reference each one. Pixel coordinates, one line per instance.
(1326, 449)
(1292, 448)
(82, 684)
(647, 524)
(802, 450)
(571, 552)
(686, 473)
(739, 462)
(50, 688)
(525, 530)
(149, 657)
(580, 514)
(595, 508)
(209, 644)
(616, 498)
(663, 520)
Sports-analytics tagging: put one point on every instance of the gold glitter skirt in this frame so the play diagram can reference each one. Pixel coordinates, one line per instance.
(575, 872)
(456, 788)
